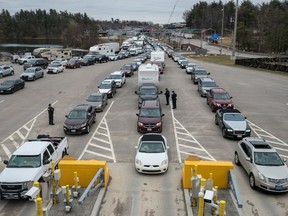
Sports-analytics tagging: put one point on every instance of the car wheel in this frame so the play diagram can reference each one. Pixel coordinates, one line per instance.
(34, 78)
(112, 94)
(223, 132)
(252, 181)
(12, 73)
(236, 159)
(216, 121)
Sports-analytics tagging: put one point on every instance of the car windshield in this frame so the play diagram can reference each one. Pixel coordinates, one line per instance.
(77, 114)
(151, 147)
(94, 98)
(115, 76)
(233, 117)
(54, 65)
(149, 113)
(127, 67)
(105, 86)
(30, 70)
(209, 84)
(148, 91)
(57, 62)
(268, 159)
(221, 96)
(8, 82)
(200, 72)
(24, 161)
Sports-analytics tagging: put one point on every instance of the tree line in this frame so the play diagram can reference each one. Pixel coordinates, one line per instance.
(260, 28)
(75, 30)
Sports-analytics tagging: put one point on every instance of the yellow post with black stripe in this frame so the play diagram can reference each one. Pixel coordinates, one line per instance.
(222, 208)
(39, 206)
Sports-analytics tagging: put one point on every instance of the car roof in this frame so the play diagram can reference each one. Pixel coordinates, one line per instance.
(207, 79)
(82, 107)
(108, 81)
(97, 93)
(219, 90)
(150, 104)
(152, 137)
(117, 72)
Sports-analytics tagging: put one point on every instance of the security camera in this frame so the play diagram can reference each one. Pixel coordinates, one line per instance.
(32, 193)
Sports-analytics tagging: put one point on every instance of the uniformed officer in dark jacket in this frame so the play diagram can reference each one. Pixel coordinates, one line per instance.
(174, 99)
(167, 95)
(50, 114)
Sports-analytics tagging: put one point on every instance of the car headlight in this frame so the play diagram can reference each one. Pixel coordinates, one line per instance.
(83, 125)
(164, 162)
(9, 89)
(140, 124)
(229, 130)
(230, 105)
(138, 162)
(217, 104)
(109, 92)
(261, 177)
(248, 130)
(99, 105)
(158, 124)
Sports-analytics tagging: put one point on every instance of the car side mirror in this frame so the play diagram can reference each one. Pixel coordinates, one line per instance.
(163, 114)
(208, 73)
(248, 159)
(136, 92)
(135, 147)
(66, 116)
(284, 160)
(160, 92)
(137, 114)
(98, 86)
(5, 162)
(46, 162)
(231, 97)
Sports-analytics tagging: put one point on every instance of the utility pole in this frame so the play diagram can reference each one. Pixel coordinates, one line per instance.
(235, 31)
(222, 27)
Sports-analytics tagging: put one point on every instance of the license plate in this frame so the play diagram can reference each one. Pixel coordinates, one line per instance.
(239, 136)
(279, 187)
(73, 131)
(149, 129)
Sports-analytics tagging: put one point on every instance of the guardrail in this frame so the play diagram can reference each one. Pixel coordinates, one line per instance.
(92, 187)
(234, 188)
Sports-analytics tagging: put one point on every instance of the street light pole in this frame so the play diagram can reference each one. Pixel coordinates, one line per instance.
(222, 30)
(235, 31)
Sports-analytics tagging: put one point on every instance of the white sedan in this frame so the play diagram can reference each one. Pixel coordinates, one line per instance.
(55, 68)
(151, 154)
(63, 61)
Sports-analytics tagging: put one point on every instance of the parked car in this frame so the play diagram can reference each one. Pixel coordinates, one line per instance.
(37, 62)
(55, 68)
(183, 64)
(80, 119)
(32, 73)
(101, 58)
(108, 86)
(190, 67)
(6, 70)
(134, 65)
(150, 117)
(128, 70)
(62, 61)
(197, 73)
(87, 60)
(74, 63)
(11, 85)
(147, 92)
(98, 100)
(264, 166)
(218, 98)
(232, 123)
(113, 57)
(204, 85)
(119, 78)
(152, 154)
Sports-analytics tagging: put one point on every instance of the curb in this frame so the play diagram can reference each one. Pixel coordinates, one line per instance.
(97, 205)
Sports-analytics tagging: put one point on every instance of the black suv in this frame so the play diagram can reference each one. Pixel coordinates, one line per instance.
(147, 92)
(38, 62)
(101, 58)
(80, 119)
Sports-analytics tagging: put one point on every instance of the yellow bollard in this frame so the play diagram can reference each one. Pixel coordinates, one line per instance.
(222, 208)
(54, 188)
(215, 194)
(75, 180)
(203, 182)
(67, 195)
(201, 204)
(37, 184)
(39, 206)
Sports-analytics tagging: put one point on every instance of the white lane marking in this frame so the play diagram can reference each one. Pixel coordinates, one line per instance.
(188, 142)
(103, 131)
(277, 143)
(17, 135)
(2, 101)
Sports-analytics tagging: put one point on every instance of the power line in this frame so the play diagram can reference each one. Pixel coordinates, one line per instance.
(172, 11)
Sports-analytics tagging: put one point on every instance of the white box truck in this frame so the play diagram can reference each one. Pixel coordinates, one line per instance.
(158, 56)
(105, 49)
(148, 73)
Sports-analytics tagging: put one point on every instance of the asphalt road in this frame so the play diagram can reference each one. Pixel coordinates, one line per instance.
(261, 96)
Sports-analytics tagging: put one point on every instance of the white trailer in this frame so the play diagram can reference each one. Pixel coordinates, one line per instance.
(105, 48)
(158, 56)
(148, 73)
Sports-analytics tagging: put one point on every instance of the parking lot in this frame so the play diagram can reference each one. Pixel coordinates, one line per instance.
(261, 96)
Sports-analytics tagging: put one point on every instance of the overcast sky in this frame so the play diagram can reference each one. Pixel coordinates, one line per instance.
(157, 11)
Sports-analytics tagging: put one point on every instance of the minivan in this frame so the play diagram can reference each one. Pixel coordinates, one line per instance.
(205, 84)
(150, 117)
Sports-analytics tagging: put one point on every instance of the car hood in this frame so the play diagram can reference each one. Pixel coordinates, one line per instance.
(27, 74)
(222, 101)
(275, 172)
(104, 90)
(52, 68)
(4, 87)
(94, 104)
(149, 120)
(237, 125)
(74, 122)
(19, 174)
(151, 158)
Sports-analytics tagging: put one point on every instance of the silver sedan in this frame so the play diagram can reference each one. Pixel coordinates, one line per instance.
(32, 73)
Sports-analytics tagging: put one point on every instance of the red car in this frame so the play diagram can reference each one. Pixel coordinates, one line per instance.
(218, 98)
(74, 63)
(128, 70)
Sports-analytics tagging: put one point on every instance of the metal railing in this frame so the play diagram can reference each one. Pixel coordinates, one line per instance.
(234, 188)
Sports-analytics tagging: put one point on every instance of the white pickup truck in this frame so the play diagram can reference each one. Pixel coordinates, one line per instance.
(29, 163)
(25, 59)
